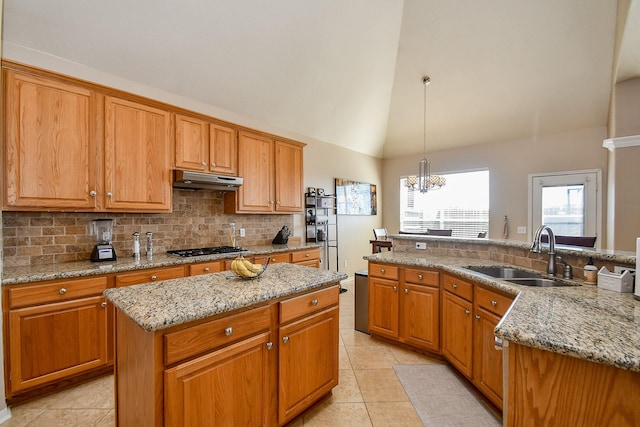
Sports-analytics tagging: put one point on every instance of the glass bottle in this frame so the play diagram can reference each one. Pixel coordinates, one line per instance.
(149, 244)
(136, 245)
(232, 234)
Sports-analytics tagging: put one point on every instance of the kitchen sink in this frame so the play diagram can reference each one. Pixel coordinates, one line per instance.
(540, 282)
(504, 272)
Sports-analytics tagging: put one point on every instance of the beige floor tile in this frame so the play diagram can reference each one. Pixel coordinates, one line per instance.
(346, 322)
(338, 414)
(343, 358)
(21, 416)
(96, 394)
(380, 385)
(347, 389)
(69, 417)
(370, 357)
(397, 414)
(351, 337)
(109, 420)
(408, 357)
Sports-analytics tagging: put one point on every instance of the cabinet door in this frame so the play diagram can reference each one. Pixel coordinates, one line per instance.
(421, 316)
(255, 165)
(288, 177)
(229, 387)
(487, 362)
(53, 341)
(192, 142)
(308, 362)
(50, 144)
(223, 150)
(383, 307)
(137, 156)
(457, 332)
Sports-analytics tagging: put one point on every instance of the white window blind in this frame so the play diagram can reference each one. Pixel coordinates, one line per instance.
(462, 205)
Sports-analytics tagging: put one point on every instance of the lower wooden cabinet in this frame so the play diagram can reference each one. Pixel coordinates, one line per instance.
(384, 307)
(49, 342)
(227, 387)
(457, 332)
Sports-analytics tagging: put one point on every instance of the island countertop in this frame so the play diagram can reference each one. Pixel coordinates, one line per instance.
(167, 303)
(580, 321)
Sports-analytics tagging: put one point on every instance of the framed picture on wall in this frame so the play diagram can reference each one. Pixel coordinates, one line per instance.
(356, 198)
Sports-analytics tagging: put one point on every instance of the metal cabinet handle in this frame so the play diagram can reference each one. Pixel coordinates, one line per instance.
(382, 270)
(270, 202)
(204, 163)
(406, 291)
(477, 317)
(454, 286)
(467, 312)
(395, 289)
(206, 269)
(93, 193)
(494, 303)
(277, 202)
(103, 304)
(63, 291)
(307, 255)
(154, 277)
(497, 342)
(314, 302)
(213, 164)
(228, 331)
(419, 276)
(285, 339)
(269, 345)
(109, 194)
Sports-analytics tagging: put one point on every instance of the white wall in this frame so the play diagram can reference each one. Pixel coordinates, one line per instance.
(509, 164)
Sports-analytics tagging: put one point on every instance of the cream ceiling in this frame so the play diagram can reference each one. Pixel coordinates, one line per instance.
(346, 72)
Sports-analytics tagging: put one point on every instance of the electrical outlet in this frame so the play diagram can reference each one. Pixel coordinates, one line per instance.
(242, 233)
(421, 245)
(522, 229)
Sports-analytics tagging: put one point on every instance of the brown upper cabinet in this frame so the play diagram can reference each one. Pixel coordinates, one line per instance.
(272, 172)
(50, 144)
(68, 147)
(137, 156)
(205, 147)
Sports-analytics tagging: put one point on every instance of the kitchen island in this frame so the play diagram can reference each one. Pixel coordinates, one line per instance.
(572, 353)
(219, 350)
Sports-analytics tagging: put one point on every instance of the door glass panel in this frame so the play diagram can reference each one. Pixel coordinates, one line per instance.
(563, 209)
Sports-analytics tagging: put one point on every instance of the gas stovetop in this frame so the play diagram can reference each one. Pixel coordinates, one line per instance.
(206, 251)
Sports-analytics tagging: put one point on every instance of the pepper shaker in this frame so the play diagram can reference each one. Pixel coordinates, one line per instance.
(136, 245)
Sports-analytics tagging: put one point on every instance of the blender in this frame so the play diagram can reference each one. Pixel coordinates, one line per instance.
(102, 229)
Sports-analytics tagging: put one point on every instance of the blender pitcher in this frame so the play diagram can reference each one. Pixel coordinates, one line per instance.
(102, 230)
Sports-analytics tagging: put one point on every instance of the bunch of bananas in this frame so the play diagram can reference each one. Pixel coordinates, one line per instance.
(245, 268)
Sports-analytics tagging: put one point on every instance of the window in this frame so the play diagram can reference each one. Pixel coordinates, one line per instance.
(565, 201)
(462, 205)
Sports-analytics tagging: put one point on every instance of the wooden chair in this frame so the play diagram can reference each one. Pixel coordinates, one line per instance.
(482, 235)
(438, 232)
(380, 240)
(413, 232)
(380, 233)
(580, 241)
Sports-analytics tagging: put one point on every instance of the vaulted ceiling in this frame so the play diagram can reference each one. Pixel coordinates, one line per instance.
(348, 72)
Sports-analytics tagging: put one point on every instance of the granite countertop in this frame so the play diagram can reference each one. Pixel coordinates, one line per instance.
(580, 321)
(167, 303)
(65, 270)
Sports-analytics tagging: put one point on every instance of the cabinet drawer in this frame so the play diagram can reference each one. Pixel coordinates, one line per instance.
(422, 277)
(207, 336)
(308, 303)
(384, 271)
(204, 268)
(150, 275)
(280, 257)
(492, 301)
(458, 287)
(303, 256)
(58, 291)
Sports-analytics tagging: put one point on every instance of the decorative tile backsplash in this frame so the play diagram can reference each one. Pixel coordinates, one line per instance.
(197, 221)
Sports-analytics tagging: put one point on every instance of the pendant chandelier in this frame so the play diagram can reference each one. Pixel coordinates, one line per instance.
(425, 180)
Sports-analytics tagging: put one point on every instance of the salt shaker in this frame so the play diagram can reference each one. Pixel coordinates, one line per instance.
(136, 245)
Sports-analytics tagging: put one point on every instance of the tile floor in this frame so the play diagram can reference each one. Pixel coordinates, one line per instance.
(369, 393)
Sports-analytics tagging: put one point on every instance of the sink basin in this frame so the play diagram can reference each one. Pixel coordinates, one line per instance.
(504, 272)
(540, 282)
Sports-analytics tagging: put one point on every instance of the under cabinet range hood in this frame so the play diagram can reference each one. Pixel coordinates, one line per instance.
(204, 181)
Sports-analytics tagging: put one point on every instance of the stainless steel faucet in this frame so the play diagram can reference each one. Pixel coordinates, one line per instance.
(535, 247)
